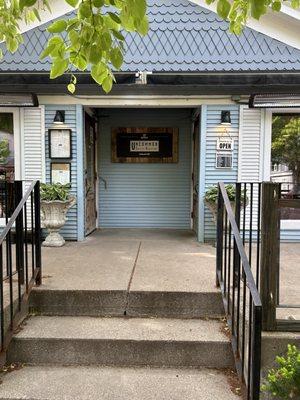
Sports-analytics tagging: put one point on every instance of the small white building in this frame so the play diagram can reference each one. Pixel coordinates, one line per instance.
(144, 155)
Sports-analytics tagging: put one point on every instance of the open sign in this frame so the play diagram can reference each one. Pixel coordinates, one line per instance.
(225, 144)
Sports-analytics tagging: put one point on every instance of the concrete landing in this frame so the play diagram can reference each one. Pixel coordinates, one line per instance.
(94, 383)
(139, 272)
(164, 260)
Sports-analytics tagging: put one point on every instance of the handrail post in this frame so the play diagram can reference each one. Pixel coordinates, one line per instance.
(256, 352)
(270, 246)
(19, 233)
(220, 229)
(37, 232)
(236, 254)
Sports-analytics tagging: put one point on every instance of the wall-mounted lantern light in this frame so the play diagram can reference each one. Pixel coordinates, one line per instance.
(59, 117)
(225, 118)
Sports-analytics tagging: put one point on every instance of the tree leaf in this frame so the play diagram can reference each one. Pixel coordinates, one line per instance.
(48, 50)
(27, 3)
(118, 35)
(114, 17)
(139, 8)
(36, 13)
(71, 88)
(258, 8)
(99, 72)
(116, 57)
(58, 68)
(57, 26)
(276, 6)
(98, 3)
(107, 84)
(72, 3)
(143, 27)
(223, 8)
(85, 10)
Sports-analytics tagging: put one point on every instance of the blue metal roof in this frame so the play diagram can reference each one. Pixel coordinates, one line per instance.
(182, 37)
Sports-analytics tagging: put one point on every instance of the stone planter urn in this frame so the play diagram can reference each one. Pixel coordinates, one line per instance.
(213, 208)
(53, 218)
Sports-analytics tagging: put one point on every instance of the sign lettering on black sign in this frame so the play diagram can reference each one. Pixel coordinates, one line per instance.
(145, 145)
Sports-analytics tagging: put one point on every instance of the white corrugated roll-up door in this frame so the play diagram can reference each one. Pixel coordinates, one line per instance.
(154, 195)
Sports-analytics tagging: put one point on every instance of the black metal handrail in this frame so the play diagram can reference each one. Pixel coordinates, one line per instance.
(20, 259)
(239, 291)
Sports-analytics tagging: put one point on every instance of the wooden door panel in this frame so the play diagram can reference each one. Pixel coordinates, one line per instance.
(90, 175)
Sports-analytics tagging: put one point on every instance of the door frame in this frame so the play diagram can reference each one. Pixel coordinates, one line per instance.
(195, 169)
(87, 113)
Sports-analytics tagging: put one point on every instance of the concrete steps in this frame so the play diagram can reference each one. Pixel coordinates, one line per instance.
(107, 383)
(134, 318)
(155, 342)
(170, 304)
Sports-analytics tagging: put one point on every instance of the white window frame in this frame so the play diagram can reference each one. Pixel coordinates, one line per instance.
(285, 224)
(17, 145)
(17, 139)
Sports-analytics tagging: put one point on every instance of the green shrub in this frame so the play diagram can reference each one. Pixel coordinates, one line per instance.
(211, 195)
(284, 382)
(54, 191)
(4, 151)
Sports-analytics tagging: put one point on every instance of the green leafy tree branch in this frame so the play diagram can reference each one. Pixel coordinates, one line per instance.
(286, 145)
(93, 40)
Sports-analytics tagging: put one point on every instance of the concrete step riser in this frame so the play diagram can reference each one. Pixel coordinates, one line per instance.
(121, 353)
(136, 304)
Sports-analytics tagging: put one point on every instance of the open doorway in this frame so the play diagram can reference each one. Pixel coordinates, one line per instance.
(137, 188)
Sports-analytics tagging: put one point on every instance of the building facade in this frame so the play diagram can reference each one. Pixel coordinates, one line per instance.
(184, 89)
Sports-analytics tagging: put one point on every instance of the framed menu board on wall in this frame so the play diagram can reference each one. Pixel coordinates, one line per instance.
(144, 145)
(61, 173)
(60, 143)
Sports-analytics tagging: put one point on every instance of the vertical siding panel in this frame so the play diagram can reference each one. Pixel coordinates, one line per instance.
(251, 155)
(33, 145)
(145, 195)
(69, 231)
(33, 148)
(250, 160)
(212, 174)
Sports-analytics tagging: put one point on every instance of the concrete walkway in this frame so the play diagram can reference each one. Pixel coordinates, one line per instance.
(132, 259)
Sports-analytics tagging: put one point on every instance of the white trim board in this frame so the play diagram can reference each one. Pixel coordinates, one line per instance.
(58, 8)
(136, 101)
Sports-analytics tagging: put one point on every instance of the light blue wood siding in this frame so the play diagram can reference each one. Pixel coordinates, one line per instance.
(69, 231)
(290, 235)
(212, 174)
(145, 195)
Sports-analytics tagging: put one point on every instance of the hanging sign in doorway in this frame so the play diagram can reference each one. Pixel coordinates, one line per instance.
(145, 145)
